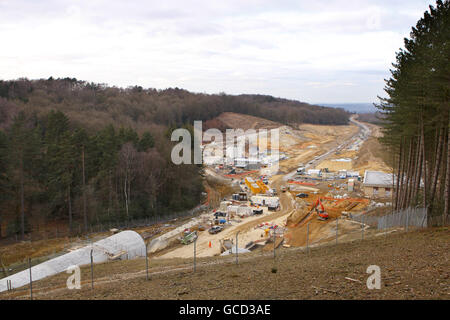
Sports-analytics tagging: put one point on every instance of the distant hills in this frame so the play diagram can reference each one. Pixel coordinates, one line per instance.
(352, 107)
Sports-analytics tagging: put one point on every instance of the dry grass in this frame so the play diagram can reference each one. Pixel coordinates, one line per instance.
(413, 266)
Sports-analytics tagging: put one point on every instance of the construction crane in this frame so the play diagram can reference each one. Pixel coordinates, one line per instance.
(322, 214)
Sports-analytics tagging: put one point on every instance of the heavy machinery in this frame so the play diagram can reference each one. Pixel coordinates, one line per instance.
(322, 214)
(188, 237)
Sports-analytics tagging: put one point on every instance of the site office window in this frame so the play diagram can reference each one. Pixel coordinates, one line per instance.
(388, 191)
(375, 190)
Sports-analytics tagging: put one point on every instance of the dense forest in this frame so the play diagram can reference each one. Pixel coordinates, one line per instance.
(417, 114)
(89, 153)
(93, 105)
(53, 169)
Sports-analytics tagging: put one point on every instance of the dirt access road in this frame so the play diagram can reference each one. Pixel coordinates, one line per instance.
(364, 130)
(209, 245)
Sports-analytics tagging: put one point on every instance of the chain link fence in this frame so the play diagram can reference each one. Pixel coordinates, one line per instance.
(410, 217)
(78, 239)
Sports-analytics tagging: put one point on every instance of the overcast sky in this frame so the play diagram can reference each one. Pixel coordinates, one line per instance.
(313, 51)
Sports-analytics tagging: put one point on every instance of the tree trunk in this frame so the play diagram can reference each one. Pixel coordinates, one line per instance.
(436, 168)
(424, 166)
(70, 209)
(125, 192)
(406, 179)
(397, 189)
(447, 179)
(110, 194)
(84, 191)
(412, 174)
(22, 202)
(417, 176)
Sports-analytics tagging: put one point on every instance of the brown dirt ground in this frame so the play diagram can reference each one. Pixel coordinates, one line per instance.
(414, 265)
(243, 121)
(372, 155)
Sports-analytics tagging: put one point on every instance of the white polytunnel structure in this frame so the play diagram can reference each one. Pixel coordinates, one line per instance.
(123, 245)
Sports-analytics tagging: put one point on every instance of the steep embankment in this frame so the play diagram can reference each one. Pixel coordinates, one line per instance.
(413, 266)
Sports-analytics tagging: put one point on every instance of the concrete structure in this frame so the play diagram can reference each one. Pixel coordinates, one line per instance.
(378, 184)
(124, 245)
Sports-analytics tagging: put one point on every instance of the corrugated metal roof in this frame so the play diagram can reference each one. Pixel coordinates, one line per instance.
(377, 178)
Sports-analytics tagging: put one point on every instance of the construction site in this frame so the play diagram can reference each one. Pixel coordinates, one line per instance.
(315, 197)
(280, 206)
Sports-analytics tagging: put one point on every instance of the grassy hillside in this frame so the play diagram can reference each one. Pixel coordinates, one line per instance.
(413, 265)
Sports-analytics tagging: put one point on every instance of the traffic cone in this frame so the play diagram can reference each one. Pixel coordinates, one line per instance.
(210, 244)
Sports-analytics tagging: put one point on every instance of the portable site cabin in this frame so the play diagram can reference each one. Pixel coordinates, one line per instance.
(352, 174)
(253, 166)
(224, 205)
(256, 186)
(232, 210)
(248, 163)
(266, 201)
(241, 196)
(315, 172)
(330, 175)
(244, 211)
(251, 184)
(239, 210)
(342, 174)
(350, 185)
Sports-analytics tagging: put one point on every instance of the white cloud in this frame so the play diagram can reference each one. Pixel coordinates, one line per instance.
(278, 48)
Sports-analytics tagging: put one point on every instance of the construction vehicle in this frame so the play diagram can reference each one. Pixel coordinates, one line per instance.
(215, 229)
(225, 245)
(302, 195)
(322, 214)
(188, 237)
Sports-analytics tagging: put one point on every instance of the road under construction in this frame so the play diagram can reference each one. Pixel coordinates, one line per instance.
(294, 214)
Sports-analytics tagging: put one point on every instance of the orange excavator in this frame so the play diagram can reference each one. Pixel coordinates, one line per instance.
(322, 214)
